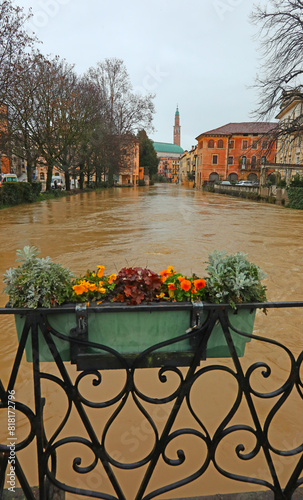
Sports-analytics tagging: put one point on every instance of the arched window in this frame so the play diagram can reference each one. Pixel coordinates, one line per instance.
(213, 177)
(233, 177)
(253, 161)
(211, 143)
(252, 177)
(220, 144)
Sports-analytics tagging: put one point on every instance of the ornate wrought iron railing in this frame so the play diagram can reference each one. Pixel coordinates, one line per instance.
(187, 366)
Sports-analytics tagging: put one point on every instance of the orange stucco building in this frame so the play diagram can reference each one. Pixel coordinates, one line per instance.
(129, 170)
(234, 152)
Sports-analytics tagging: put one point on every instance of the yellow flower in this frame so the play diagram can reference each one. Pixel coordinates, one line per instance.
(170, 270)
(101, 271)
(101, 290)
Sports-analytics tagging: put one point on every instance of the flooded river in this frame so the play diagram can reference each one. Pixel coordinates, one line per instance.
(155, 227)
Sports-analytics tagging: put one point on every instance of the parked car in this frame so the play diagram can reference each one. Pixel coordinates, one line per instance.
(57, 182)
(226, 183)
(246, 183)
(8, 178)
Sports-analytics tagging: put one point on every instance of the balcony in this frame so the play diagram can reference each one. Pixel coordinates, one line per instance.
(243, 443)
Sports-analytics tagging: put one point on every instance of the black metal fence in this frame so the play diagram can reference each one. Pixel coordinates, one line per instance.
(85, 359)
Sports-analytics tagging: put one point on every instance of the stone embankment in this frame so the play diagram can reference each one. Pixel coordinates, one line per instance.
(271, 194)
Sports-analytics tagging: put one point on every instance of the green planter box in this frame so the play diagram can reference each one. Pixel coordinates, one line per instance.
(132, 332)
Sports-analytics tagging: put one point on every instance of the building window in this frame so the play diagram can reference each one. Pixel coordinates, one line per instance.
(254, 145)
(244, 144)
(211, 143)
(215, 159)
(264, 145)
(230, 160)
(231, 144)
(213, 177)
(220, 144)
(41, 176)
(253, 161)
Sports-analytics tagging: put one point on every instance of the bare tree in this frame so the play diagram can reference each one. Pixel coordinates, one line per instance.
(281, 43)
(14, 40)
(122, 113)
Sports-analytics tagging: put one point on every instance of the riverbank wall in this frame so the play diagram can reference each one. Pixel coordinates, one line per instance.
(271, 194)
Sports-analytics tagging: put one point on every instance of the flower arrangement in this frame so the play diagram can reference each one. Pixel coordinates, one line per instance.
(134, 285)
(38, 282)
(232, 279)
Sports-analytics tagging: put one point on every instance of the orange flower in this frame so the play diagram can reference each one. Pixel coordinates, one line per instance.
(91, 287)
(193, 290)
(200, 283)
(181, 278)
(101, 271)
(171, 287)
(164, 275)
(186, 285)
(79, 289)
(112, 278)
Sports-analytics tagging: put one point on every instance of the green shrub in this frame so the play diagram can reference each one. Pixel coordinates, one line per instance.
(281, 183)
(295, 197)
(14, 193)
(160, 178)
(296, 181)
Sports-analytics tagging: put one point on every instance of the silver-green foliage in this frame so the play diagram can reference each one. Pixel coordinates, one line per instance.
(233, 279)
(36, 282)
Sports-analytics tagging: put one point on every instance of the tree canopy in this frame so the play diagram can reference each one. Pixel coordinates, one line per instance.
(148, 156)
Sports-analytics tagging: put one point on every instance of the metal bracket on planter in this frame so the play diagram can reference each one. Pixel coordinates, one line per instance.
(197, 313)
(196, 323)
(80, 332)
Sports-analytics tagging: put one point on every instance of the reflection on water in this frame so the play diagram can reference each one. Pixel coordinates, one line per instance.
(156, 227)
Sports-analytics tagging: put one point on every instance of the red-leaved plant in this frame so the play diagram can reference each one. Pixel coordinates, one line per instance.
(134, 285)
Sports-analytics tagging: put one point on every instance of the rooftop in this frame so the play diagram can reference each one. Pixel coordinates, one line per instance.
(242, 128)
(166, 147)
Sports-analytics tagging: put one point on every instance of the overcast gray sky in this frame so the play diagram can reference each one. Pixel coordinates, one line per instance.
(199, 54)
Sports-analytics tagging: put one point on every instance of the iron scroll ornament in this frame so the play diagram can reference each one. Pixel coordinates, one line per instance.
(48, 447)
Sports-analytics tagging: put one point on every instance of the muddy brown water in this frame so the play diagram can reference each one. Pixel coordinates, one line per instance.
(156, 227)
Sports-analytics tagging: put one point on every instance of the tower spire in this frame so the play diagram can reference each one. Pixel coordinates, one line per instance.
(177, 128)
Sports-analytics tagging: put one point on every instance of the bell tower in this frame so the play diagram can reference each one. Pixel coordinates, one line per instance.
(177, 128)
